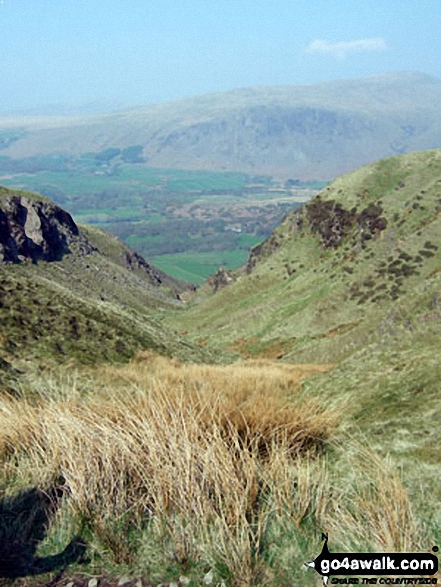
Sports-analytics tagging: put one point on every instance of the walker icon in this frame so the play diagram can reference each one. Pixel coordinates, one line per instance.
(316, 563)
(368, 563)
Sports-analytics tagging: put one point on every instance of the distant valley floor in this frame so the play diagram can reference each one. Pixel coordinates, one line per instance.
(189, 223)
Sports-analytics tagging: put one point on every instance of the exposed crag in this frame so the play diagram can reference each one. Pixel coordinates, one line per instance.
(220, 279)
(31, 230)
(330, 221)
(133, 261)
(333, 222)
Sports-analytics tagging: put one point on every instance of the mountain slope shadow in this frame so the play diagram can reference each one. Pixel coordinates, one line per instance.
(24, 520)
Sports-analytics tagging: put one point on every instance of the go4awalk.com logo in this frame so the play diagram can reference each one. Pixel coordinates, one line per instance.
(424, 565)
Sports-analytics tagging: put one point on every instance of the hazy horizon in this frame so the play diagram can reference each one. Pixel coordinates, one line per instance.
(99, 57)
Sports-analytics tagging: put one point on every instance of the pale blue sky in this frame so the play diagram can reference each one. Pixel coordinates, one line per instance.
(144, 51)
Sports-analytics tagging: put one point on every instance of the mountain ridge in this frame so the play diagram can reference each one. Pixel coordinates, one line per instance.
(314, 131)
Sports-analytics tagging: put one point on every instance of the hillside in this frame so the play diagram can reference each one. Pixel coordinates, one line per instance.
(367, 244)
(69, 292)
(318, 131)
(169, 470)
(352, 279)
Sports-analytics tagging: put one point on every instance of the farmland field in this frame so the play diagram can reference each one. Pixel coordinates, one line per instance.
(196, 267)
(187, 222)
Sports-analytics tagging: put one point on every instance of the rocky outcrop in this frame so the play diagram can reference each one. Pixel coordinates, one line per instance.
(31, 230)
(134, 261)
(330, 221)
(333, 223)
(220, 279)
(327, 219)
(157, 278)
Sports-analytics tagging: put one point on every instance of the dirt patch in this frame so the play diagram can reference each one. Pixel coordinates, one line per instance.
(343, 328)
(254, 347)
(434, 272)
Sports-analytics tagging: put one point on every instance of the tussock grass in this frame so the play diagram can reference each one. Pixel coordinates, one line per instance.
(167, 466)
(375, 508)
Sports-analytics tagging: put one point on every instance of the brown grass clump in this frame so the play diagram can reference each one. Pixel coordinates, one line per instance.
(191, 451)
(166, 463)
(375, 508)
(255, 403)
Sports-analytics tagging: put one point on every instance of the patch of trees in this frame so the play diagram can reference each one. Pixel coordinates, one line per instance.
(107, 155)
(132, 154)
(176, 236)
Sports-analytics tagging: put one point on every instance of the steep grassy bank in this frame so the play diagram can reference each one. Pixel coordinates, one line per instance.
(70, 293)
(320, 286)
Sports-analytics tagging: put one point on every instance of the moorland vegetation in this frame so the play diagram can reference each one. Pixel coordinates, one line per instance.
(301, 397)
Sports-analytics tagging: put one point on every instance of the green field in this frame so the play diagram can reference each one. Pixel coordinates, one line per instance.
(141, 241)
(134, 178)
(247, 240)
(188, 222)
(196, 267)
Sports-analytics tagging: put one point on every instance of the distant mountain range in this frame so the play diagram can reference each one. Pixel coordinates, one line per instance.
(317, 131)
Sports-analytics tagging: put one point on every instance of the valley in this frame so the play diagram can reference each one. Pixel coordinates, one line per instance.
(220, 293)
(173, 435)
(189, 223)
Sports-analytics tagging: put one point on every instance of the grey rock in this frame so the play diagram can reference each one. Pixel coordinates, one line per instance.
(31, 230)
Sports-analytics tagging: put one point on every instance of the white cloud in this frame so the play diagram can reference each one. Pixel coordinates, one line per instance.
(344, 48)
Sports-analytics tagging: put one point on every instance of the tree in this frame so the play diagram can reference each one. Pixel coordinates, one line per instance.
(107, 155)
(132, 154)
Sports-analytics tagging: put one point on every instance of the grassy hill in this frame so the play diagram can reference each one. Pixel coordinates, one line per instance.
(161, 471)
(95, 302)
(366, 246)
(317, 131)
(353, 280)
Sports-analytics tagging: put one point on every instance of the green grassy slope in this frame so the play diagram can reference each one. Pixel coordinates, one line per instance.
(328, 301)
(87, 307)
(371, 308)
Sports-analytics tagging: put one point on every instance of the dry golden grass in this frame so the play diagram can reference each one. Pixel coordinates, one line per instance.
(375, 508)
(169, 462)
(256, 400)
(195, 450)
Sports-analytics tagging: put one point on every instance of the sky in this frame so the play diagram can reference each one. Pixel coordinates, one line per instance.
(133, 52)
